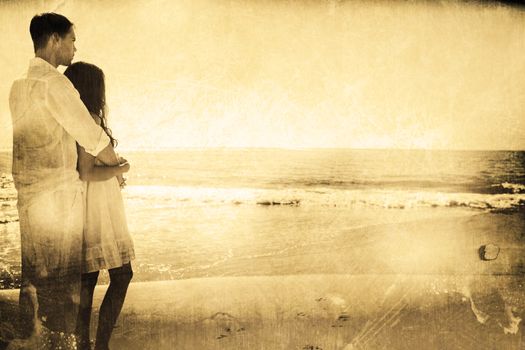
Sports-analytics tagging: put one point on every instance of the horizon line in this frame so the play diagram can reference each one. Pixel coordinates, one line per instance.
(167, 149)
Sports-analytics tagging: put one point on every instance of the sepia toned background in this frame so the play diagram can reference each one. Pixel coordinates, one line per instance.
(304, 174)
(291, 74)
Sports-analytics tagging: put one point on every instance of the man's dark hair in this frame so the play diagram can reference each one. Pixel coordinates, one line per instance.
(44, 25)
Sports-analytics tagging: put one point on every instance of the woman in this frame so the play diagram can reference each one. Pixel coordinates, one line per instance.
(107, 243)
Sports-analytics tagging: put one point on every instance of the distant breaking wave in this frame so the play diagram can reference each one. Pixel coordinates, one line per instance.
(510, 187)
(8, 211)
(402, 184)
(504, 196)
(171, 196)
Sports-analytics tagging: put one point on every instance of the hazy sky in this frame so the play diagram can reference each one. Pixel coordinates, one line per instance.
(271, 73)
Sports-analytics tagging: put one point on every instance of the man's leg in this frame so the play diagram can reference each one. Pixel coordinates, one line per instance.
(51, 257)
(89, 281)
(58, 302)
(49, 302)
(28, 301)
(28, 309)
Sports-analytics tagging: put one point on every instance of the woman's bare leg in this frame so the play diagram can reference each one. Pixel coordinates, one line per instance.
(120, 278)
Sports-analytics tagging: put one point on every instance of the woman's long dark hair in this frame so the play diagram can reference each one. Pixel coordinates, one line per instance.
(88, 79)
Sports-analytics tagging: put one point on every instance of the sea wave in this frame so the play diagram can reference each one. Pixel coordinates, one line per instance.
(172, 196)
(469, 185)
(510, 187)
(8, 196)
(504, 196)
(7, 188)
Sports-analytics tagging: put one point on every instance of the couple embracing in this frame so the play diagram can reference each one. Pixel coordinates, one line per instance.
(68, 178)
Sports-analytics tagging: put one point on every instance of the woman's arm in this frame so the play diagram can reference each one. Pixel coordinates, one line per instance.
(108, 156)
(90, 172)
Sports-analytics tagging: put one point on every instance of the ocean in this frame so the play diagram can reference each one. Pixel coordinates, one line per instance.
(246, 212)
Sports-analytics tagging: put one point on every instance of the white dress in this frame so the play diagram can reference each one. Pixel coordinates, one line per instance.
(107, 243)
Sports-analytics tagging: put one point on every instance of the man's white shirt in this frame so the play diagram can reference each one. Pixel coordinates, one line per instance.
(48, 119)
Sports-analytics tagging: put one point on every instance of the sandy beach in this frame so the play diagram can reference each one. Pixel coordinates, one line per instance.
(313, 312)
(394, 296)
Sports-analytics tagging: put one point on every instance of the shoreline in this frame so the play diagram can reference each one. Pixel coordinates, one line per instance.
(415, 244)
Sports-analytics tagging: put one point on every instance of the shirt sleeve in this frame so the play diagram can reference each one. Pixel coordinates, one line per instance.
(65, 105)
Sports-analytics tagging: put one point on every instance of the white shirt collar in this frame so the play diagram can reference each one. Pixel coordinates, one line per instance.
(37, 61)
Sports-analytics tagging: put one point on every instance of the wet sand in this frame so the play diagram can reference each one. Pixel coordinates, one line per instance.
(415, 285)
(317, 312)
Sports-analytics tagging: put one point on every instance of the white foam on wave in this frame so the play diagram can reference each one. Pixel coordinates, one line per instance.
(167, 194)
(8, 200)
(7, 188)
(515, 188)
(173, 196)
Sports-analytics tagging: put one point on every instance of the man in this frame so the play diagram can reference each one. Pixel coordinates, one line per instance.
(48, 120)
